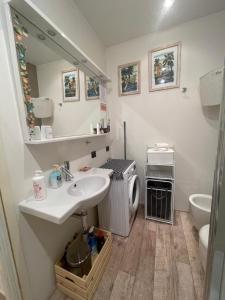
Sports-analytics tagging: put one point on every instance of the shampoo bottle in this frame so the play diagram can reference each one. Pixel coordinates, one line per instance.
(39, 187)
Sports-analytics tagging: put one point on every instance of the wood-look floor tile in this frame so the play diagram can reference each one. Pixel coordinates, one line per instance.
(144, 279)
(193, 251)
(58, 295)
(183, 281)
(162, 294)
(132, 250)
(179, 244)
(123, 286)
(185, 284)
(106, 284)
(163, 276)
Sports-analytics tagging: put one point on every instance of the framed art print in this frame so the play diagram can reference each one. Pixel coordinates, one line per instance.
(70, 80)
(164, 67)
(129, 79)
(92, 89)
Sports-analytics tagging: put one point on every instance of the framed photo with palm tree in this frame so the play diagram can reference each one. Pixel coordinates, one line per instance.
(92, 89)
(129, 79)
(164, 67)
(70, 81)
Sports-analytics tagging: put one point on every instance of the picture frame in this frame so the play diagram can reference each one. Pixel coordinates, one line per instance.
(71, 85)
(92, 88)
(129, 82)
(164, 67)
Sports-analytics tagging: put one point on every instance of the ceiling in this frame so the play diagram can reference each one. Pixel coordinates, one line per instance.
(116, 21)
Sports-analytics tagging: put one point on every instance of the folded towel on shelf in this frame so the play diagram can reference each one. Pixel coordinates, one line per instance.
(161, 145)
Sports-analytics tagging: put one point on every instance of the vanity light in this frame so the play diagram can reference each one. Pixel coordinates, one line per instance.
(84, 61)
(41, 37)
(168, 3)
(51, 32)
(76, 63)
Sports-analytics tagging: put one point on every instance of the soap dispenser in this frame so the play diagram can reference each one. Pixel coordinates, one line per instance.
(40, 191)
(55, 178)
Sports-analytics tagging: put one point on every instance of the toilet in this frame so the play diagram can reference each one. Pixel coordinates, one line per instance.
(203, 244)
(200, 205)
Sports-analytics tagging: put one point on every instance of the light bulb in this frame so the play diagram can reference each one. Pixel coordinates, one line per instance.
(168, 3)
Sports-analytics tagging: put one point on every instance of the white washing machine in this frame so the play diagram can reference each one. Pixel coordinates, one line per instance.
(118, 210)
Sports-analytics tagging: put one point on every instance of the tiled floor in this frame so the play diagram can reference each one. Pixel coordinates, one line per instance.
(157, 261)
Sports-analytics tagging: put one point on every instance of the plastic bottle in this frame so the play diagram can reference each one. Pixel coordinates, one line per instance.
(98, 128)
(55, 178)
(92, 242)
(39, 187)
(108, 126)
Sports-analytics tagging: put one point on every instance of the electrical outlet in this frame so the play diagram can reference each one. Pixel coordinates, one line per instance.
(93, 154)
(107, 148)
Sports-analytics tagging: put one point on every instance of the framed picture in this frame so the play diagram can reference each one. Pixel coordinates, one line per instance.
(92, 89)
(164, 67)
(70, 80)
(129, 79)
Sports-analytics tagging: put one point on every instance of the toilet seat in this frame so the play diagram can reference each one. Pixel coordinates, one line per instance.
(204, 235)
(203, 244)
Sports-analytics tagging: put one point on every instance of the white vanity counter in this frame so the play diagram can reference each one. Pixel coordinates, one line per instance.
(60, 204)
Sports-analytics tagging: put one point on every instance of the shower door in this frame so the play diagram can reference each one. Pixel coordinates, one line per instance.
(215, 272)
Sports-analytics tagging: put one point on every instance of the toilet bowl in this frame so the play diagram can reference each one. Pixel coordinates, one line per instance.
(203, 244)
(200, 205)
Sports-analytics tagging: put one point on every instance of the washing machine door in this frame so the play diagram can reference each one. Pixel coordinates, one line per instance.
(134, 193)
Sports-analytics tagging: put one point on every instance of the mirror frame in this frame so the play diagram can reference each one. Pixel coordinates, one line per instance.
(70, 51)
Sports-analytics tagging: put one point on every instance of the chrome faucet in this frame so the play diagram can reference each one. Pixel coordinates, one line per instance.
(66, 171)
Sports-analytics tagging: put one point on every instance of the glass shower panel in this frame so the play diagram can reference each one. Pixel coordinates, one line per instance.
(214, 283)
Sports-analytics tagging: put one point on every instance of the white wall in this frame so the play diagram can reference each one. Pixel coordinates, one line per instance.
(70, 20)
(72, 118)
(36, 243)
(170, 116)
(9, 287)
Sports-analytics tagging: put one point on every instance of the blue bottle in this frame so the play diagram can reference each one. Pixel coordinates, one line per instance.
(55, 177)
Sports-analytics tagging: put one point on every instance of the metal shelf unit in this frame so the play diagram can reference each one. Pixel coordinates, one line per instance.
(159, 192)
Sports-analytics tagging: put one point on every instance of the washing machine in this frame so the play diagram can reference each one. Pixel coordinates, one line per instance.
(118, 210)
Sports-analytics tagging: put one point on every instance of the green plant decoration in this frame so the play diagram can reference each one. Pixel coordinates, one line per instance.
(21, 34)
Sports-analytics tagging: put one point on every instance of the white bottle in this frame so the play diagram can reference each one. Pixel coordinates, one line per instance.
(48, 132)
(39, 187)
(35, 133)
(98, 128)
(43, 133)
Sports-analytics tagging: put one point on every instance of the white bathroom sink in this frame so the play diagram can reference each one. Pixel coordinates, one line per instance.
(91, 187)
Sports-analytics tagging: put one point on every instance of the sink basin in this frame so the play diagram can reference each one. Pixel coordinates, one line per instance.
(90, 189)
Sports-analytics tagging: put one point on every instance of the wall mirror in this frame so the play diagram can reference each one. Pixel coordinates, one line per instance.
(64, 95)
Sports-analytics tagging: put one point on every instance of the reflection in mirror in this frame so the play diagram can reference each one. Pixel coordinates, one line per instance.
(60, 99)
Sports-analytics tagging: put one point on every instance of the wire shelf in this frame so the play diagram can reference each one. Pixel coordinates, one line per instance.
(159, 172)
